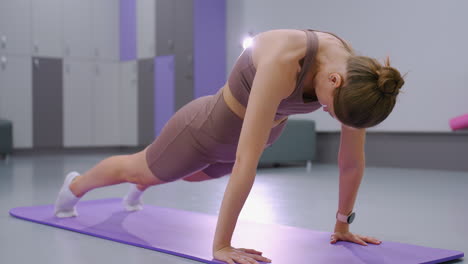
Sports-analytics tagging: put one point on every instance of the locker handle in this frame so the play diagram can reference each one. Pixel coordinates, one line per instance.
(3, 40)
(36, 62)
(67, 50)
(170, 44)
(190, 59)
(4, 61)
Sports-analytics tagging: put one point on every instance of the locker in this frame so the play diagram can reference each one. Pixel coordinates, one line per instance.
(145, 101)
(47, 28)
(77, 29)
(128, 104)
(127, 30)
(165, 27)
(15, 27)
(164, 95)
(47, 80)
(183, 52)
(146, 28)
(16, 97)
(105, 29)
(106, 104)
(77, 103)
(209, 39)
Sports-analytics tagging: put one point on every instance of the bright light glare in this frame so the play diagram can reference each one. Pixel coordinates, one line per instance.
(247, 42)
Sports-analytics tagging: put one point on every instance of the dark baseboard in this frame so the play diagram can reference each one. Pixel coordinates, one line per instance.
(76, 150)
(444, 151)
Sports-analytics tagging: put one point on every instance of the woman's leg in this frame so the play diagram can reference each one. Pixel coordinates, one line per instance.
(132, 200)
(198, 177)
(114, 170)
(110, 171)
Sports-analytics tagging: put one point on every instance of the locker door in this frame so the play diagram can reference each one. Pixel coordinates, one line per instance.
(164, 82)
(127, 25)
(77, 28)
(145, 101)
(106, 104)
(183, 53)
(47, 29)
(105, 29)
(146, 28)
(128, 104)
(209, 38)
(165, 27)
(16, 97)
(47, 102)
(77, 103)
(15, 27)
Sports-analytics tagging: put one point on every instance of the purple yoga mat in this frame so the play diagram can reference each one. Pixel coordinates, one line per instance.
(190, 234)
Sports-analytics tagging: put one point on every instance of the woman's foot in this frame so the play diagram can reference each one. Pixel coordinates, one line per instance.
(65, 205)
(132, 201)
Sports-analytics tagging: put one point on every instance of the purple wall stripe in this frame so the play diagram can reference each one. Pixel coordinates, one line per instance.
(209, 40)
(164, 91)
(128, 34)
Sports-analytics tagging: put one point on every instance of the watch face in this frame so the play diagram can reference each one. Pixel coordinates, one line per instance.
(351, 218)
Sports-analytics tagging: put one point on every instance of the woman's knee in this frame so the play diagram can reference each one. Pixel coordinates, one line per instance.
(135, 170)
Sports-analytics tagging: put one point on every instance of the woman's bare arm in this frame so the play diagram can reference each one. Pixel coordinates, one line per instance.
(274, 80)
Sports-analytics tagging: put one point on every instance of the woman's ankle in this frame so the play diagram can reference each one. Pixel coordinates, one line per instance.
(142, 188)
(74, 187)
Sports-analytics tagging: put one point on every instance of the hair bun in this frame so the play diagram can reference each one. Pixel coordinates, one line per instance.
(389, 81)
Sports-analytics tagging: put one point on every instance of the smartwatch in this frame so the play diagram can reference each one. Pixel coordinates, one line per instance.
(345, 218)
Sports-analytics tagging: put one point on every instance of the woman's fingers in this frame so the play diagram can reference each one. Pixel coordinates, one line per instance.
(260, 258)
(347, 237)
(372, 240)
(244, 260)
(251, 251)
(359, 241)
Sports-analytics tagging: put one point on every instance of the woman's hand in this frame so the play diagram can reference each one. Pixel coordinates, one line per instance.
(239, 255)
(358, 239)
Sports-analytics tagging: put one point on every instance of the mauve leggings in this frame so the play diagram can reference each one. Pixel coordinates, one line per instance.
(202, 135)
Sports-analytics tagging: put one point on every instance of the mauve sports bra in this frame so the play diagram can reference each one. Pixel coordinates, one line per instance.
(243, 73)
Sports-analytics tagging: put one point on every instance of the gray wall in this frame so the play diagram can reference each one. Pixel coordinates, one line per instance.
(441, 151)
(424, 38)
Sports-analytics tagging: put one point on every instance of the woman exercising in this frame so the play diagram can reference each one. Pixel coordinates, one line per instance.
(284, 72)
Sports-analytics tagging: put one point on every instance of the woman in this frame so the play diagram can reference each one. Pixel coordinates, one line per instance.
(285, 72)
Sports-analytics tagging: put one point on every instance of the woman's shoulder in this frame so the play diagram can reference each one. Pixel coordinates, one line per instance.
(284, 44)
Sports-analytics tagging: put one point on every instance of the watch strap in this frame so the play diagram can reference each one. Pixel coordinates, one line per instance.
(341, 217)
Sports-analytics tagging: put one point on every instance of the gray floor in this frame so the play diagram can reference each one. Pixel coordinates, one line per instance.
(423, 207)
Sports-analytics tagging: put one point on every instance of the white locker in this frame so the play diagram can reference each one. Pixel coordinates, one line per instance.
(15, 27)
(106, 104)
(77, 29)
(47, 28)
(16, 97)
(105, 29)
(129, 103)
(77, 103)
(146, 28)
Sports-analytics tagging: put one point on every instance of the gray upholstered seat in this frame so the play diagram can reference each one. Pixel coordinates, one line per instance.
(296, 143)
(6, 137)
